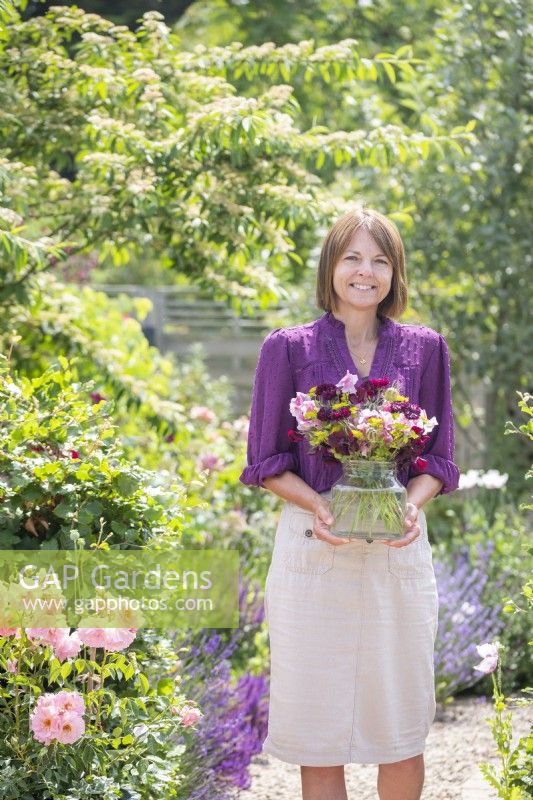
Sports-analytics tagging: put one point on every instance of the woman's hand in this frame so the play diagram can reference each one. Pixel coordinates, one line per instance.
(411, 528)
(324, 518)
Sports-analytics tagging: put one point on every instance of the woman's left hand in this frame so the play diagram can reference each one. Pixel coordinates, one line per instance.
(411, 528)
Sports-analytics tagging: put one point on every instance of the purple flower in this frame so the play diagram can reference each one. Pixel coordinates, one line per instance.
(467, 614)
(234, 722)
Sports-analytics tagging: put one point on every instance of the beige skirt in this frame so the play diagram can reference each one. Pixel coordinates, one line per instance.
(352, 629)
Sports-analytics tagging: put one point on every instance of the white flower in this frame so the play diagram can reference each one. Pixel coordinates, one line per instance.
(489, 654)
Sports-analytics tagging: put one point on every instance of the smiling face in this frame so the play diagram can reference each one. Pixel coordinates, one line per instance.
(363, 274)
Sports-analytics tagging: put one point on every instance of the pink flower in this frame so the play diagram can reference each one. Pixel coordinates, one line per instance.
(44, 723)
(112, 639)
(11, 664)
(58, 716)
(203, 413)
(209, 461)
(47, 635)
(67, 645)
(299, 407)
(69, 701)
(489, 654)
(189, 715)
(348, 383)
(69, 727)
(8, 631)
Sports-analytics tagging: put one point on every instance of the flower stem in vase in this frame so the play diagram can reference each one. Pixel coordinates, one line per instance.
(368, 502)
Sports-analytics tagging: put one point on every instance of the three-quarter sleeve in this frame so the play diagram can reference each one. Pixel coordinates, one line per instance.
(436, 398)
(270, 451)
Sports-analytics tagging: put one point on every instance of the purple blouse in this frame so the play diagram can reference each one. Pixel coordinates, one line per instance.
(296, 358)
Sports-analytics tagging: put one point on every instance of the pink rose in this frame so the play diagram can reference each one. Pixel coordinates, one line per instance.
(209, 461)
(203, 413)
(112, 639)
(69, 727)
(67, 646)
(189, 715)
(70, 701)
(44, 723)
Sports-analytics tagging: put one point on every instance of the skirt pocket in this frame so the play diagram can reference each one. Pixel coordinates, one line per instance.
(412, 561)
(302, 550)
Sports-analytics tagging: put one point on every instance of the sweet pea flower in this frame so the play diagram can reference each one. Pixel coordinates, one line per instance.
(8, 631)
(299, 407)
(348, 382)
(11, 664)
(489, 654)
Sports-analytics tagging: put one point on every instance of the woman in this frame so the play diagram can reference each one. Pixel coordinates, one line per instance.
(352, 624)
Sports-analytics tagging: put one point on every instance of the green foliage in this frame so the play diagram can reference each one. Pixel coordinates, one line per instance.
(514, 778)
(152, 148)
(64, 477)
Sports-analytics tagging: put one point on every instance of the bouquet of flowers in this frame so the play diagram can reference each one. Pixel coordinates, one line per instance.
(372, 430)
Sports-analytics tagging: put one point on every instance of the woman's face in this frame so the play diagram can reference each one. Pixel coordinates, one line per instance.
(363, 264)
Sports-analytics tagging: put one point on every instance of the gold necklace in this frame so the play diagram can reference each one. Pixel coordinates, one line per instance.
(362, 360)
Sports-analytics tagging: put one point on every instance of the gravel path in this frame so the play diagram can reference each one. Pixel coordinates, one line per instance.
(458, 740)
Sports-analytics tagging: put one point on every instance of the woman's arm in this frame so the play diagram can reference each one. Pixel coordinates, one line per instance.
(441, 474)
(291, 487)
(422, 488)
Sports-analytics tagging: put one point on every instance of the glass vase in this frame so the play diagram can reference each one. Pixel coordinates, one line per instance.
(368, 501)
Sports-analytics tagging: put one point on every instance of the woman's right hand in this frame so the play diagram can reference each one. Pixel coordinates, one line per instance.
(321, 523)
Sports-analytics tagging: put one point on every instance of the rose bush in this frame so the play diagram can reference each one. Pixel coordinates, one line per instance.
(89, 726)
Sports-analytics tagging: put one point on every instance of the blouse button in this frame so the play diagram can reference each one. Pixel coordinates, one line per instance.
(309, 532)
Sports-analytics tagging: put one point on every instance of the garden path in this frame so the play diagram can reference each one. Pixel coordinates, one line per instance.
(458, 740)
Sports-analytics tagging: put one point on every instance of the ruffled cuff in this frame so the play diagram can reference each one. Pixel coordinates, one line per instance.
(255, 474)
(441, 468)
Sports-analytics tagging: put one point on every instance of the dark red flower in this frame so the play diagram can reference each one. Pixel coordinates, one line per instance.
(340, 413)
(327, 391)
(420, 463)
(96, 397)
(339, 442)
(169, 438)
(365, 392)
(324, 414)
(378, 382)
(74, 454)
(295, 436)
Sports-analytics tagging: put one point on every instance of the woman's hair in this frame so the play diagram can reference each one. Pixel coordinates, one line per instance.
(335, 244)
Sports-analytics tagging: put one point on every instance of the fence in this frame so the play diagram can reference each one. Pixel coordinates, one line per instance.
(179, 318)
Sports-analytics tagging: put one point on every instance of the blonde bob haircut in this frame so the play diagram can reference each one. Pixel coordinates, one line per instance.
(386, 234)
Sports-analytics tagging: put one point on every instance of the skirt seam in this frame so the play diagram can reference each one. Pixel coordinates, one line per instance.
(357, 649)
